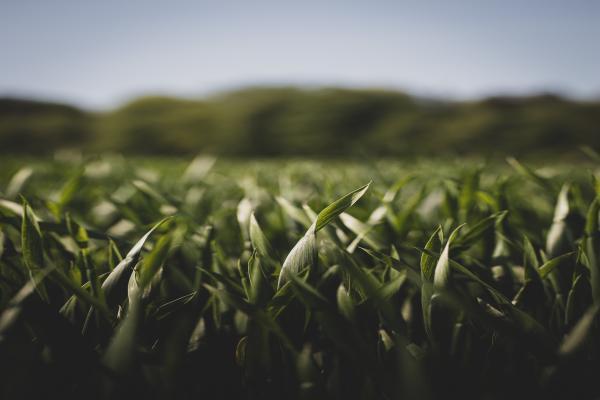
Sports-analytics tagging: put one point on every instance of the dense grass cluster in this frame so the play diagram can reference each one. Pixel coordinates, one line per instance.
(298, 280)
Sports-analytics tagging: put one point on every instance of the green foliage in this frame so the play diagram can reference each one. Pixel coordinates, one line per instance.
(435, 280)
(268, 122)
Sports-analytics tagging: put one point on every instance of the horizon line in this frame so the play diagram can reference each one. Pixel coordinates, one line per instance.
(200, 95)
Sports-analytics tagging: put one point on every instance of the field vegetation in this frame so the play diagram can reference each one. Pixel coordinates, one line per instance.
(153, 278)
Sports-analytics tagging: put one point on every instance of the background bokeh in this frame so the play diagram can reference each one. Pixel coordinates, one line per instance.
(312, 79)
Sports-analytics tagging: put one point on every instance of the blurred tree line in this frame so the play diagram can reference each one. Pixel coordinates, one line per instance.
(266, 122)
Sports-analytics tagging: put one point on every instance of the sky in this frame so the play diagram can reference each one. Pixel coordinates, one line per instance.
(99, 54)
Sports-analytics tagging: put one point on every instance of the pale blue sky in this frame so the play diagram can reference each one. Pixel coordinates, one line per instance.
(101, 53)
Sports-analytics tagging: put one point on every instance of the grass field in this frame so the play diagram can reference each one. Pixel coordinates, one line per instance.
(159, 278)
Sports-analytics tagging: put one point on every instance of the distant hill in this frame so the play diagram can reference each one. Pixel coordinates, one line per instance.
(266, 122)
(35, 127)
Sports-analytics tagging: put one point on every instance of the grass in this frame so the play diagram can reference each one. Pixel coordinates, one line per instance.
(131, 278)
